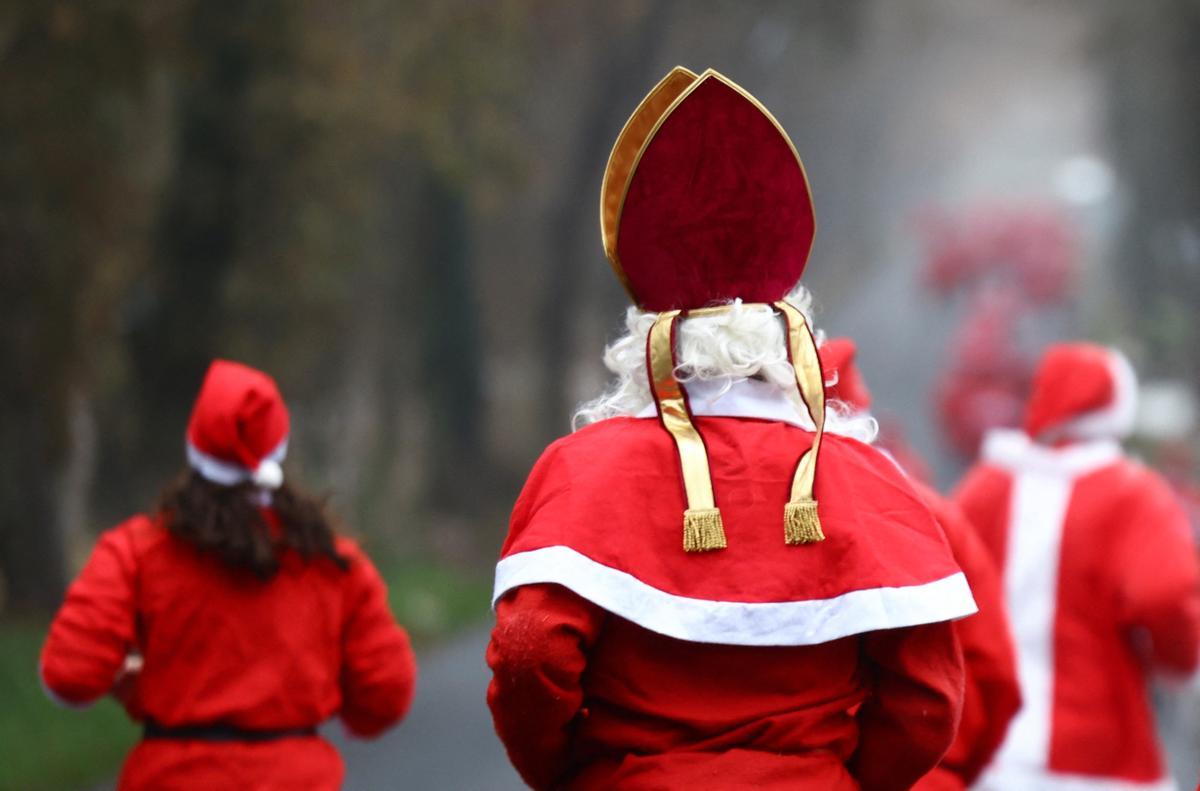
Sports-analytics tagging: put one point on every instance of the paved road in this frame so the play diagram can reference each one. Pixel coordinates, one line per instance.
(447, 742)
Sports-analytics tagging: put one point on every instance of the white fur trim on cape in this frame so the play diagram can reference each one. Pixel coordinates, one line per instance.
(736, 623)
(227, 473)
(1034, 780)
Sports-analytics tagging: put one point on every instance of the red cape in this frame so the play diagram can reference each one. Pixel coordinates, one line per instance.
(600, 515)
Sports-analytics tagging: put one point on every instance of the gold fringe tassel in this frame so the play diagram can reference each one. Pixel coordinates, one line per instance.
(801, 525)
(703, 530)
(702, 527)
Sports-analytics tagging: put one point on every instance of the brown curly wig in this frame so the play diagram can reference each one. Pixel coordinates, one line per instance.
(225, 521)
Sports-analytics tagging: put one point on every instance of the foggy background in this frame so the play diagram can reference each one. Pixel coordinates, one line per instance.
(392, 207)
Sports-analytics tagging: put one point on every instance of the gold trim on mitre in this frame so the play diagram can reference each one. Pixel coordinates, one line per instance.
(627, 150)
(618, 175)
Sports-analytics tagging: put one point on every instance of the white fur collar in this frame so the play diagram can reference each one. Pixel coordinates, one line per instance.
(1014, 450)
(743, 398)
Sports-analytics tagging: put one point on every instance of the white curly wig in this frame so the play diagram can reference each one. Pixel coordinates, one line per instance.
(747, 341)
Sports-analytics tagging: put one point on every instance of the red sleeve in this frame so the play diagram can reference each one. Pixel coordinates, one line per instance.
(983, 497)
(96, 626)
(537, 655)
(993, 694)
(379, 670)
(909, 720)
(1159, 587)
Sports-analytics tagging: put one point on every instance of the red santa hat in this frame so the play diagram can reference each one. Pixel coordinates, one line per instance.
(844, 381)
(705, 201)
(1082, 391)
(238, 431)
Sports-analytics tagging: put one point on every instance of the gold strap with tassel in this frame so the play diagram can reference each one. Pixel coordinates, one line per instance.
(801, 523)
(702, 527)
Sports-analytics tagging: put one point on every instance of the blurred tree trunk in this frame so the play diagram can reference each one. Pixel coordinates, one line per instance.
(68, 75)
(1153, 66)
(31, 445)
(178, 320)
(452, 357)
(620, 76)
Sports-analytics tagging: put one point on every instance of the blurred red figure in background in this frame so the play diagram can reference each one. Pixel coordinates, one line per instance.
(988, 378)
(1008, 263)
(795, 634)
(1100, 575)
(992, 695)
(233, 620)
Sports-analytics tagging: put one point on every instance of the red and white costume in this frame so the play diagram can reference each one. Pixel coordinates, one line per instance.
(224, 648)
(992, 693)
(767, 651)
(1100, 575)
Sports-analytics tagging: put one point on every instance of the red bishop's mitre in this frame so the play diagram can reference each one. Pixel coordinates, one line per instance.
(704, 202)
(238, 430)
(1082, 391)
(705, 199)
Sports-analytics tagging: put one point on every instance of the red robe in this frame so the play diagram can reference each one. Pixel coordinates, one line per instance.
(1102, 583)
(993, 695)
(621, 661)
(224, 647)
(583, 699)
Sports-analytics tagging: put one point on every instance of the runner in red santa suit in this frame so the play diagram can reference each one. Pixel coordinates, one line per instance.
(1100, 576)
(992, 694)
(795, 632)
(250, 621)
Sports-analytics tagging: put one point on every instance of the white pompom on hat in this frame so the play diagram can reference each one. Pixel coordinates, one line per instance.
(238, 431)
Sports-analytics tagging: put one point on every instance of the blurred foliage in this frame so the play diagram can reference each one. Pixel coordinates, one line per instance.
(185, 180)
(47, 747)
(391, 207)
(433, 599)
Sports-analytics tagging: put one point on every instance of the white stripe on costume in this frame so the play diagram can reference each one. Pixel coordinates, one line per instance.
(1043, 479)
(1038, 509)
(736, 623)
(1014, 780)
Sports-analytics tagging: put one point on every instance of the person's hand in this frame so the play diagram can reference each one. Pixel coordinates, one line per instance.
(125, 686)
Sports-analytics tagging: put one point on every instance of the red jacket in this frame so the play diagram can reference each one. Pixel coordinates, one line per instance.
(621, 661)
(993, 694)
(225, 647)
(583, 699)
(1102, 584)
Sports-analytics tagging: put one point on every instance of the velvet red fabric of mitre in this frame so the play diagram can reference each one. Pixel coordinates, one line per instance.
(1072, 380)
(838, 362)
(717, 208)
(239, 416)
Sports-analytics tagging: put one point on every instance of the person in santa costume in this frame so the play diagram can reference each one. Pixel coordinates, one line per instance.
(992, 695)
(714, 582)
(1100, 575)
(232, 620)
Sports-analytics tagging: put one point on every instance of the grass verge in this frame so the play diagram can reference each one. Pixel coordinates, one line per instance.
(44, 747)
